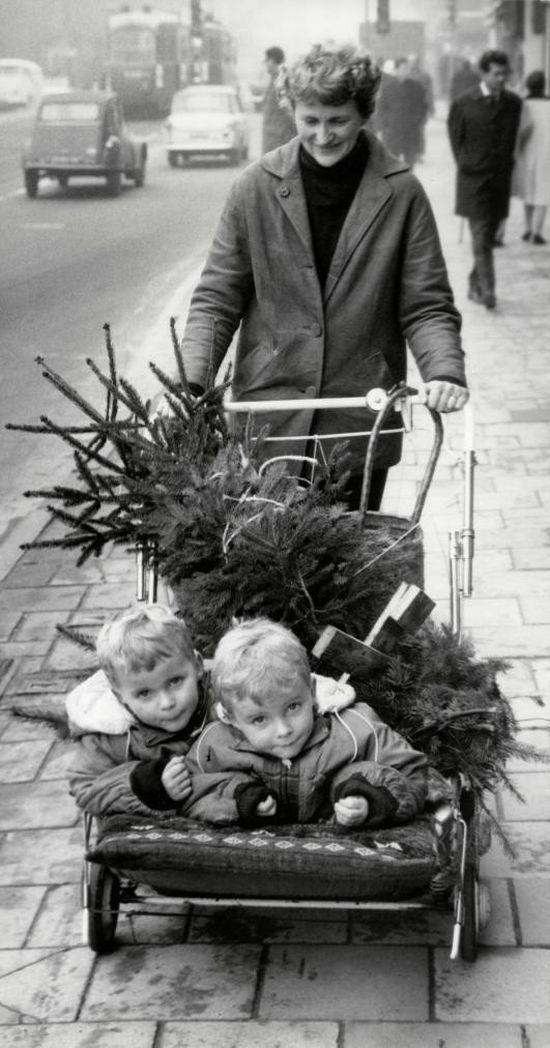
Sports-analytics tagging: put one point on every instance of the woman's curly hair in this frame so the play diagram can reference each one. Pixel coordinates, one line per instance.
(331, 76)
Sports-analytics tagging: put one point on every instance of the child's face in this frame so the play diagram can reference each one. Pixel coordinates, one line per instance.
(281, 725)
(166, 696)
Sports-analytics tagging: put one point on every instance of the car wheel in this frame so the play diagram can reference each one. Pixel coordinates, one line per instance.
(173, 159)
(63, 181)
(235, 156)
(139, 176)
(114, 183)
(31, 183)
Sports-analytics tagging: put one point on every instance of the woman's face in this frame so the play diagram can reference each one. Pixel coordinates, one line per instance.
(328, 133)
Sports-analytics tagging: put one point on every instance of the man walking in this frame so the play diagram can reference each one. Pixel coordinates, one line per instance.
(482, 127)
(402, 112)
(278, 123)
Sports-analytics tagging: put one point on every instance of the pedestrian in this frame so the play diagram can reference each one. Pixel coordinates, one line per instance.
(278, 125)
(402, 113)
(132, 728)
(531, 182)
(275, 757)
(327, 255)
(463, 79)
(417, 72)
(482, 127)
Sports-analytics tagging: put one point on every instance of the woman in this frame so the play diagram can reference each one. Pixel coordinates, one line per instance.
(531, 182)
(328, 257)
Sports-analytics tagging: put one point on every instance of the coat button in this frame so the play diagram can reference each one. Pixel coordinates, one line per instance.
(284, 191)
(316, 330)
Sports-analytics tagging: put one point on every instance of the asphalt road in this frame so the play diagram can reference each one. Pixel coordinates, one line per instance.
(72, 260)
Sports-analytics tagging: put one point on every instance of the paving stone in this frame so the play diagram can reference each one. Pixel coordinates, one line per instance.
(39, 625)
(58, 761)
(535, 609)
(431, 1035)
(512, 641)
(81, 1035)
(21, 729)
(250, 1035)
(491, 612)
(20, 761)
(351, 982)
(58, 920)
(533, 902)
(538, 1036)
(403, 927)
(32, 598)
(56, 857)
(18, 907)
(524, 584)
(43, 985)
(110, 595)
(175, 982)
(503, 985)
(8, 622)
(534, 787)
(247, 925)
(531, 844)
(43, 804)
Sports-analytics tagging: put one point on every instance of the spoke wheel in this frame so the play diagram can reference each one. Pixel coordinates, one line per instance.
(103, 907)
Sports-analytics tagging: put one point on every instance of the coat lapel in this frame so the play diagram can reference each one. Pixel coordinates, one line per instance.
(372, 195)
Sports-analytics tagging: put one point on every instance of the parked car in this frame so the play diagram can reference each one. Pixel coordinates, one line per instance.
(82, 133)
(21, 82)
(207, 120)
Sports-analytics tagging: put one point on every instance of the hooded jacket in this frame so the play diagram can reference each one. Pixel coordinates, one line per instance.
(117, 760)
(386, 286)
(349, 752)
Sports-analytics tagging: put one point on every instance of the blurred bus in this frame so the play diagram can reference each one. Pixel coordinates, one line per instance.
(218, 54)
(149, 58)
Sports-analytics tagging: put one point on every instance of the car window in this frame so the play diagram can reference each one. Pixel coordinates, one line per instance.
(202, 101)
(69, 112)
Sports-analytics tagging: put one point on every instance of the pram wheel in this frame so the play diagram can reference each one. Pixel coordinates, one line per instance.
(477, 911)
(103, 907)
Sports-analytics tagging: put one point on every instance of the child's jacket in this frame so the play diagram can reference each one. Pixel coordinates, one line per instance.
(118, 761)
(349, 752)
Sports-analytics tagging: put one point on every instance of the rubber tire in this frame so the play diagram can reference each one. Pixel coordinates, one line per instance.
(31, 184)
(139, 176)
(470, 928)
(173, 159)
(104, 905)
(114, 183)
(63, 181)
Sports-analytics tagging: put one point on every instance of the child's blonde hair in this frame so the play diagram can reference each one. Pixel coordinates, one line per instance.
(253, 659)
(139, 637)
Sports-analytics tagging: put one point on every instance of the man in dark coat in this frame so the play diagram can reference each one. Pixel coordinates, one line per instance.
(402, 112)
(482, 126)
(278, 124)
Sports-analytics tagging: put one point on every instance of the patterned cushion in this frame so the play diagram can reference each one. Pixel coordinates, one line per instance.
(175, 856)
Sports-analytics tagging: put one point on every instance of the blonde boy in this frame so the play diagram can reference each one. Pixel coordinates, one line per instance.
(130, 756)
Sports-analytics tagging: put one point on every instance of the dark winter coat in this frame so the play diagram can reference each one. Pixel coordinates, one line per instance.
(402, 112)
(278, 124)
(351, 752)
(387, 284)
(483, 133)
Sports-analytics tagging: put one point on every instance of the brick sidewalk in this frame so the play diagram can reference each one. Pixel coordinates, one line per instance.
(243, 979)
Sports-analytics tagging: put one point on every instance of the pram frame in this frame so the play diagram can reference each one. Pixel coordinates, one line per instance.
(104, 890)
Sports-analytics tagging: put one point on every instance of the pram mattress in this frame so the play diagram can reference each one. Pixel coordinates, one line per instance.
(179, 856)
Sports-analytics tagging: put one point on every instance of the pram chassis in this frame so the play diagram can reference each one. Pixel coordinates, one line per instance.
(106, 887)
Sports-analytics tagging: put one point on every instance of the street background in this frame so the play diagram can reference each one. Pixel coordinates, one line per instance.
(237, 978)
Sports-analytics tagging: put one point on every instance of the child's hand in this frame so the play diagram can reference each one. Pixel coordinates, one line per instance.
(267, 808)
(176, 779)
(351, 811)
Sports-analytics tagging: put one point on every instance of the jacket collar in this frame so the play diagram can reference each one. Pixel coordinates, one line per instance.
(372, 194)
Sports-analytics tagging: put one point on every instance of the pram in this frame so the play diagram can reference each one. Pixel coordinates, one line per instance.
(140, 865)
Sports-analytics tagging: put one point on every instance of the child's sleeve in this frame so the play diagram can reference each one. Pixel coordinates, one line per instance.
(100, 777)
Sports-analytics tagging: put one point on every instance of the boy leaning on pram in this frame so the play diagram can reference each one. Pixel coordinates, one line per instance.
(285, 745)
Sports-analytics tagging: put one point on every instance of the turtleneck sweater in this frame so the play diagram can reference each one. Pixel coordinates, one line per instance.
(329, 192)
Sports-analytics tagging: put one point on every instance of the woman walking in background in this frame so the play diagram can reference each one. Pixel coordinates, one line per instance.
(531, 179)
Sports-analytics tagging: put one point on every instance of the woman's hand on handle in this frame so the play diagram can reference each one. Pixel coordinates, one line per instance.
(444, 396)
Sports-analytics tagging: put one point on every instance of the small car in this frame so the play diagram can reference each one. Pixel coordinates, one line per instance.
(21, 82)
(82, 133)
(207, 120)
